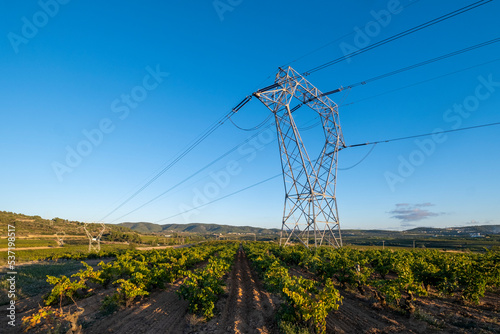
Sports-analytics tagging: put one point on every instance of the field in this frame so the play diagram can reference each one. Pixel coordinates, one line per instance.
(258, 287)
(75, 252)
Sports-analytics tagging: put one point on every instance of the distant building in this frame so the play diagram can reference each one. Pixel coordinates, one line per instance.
(476, 235)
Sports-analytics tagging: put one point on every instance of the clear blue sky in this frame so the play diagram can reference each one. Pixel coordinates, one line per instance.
(68, 71)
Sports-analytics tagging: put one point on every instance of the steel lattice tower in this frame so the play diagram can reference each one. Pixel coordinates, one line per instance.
(310, 211)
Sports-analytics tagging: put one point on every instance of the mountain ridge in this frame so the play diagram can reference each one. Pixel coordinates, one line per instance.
(146, 227)
(36, 225)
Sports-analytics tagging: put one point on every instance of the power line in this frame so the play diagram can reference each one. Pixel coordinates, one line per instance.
(211, 129)
(221, 198)
(420, 82)
(186, 151)
(195, 173)
(227, 116)
(305, 128)
(411, 67)
(400, 88)
(356, 145)
(412, 2)
(199, 171)
(400, 35)
(360, 161)
(181, 155)
(423, 135)
(384, 41)
(255, 127)
(251, 186)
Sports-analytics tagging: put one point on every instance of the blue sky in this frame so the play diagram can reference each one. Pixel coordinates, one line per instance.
(130, 84)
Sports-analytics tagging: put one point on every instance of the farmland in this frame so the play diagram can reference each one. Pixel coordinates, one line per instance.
(259, 287)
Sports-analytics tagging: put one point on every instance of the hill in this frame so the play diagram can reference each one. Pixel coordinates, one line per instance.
(36, 225)
(465, 231)
(453, 231)
(143, 227)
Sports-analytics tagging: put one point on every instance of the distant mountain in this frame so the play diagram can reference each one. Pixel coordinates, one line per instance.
(143, 227)
(36, 225)
(473, 229)
(464, 231)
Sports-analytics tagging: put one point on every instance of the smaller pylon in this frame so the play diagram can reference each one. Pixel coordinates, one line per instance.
(60, 238)
(94, 237)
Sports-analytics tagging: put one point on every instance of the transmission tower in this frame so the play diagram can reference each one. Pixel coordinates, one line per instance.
(310, 214)
(94, 236)
(60, 238)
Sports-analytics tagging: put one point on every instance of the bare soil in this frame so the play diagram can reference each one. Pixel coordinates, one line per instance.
(246, 307)
(434, 314)
(363, 313)
(29, 248)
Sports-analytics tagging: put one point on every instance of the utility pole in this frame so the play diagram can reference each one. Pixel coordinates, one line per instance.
(60, 238)
(310, 210)
(94, 237)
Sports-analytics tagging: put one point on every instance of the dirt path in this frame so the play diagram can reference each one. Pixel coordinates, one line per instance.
(28, 248)
(249, 309)
(103, 243)
(246, 308)
(48, 236)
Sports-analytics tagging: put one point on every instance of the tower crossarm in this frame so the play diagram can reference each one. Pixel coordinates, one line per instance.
(309, 184)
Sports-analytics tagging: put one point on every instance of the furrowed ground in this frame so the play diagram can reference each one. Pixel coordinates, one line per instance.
(248, 303)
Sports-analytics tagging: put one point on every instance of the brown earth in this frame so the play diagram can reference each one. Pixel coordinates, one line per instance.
(102, 242)
(49, 236)
(246, 307)
(161, 312)
(364, 314)
(28, 248)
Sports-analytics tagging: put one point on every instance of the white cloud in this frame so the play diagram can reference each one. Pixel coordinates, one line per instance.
(408, 213)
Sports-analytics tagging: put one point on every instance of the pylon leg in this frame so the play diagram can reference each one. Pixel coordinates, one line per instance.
(310, 213)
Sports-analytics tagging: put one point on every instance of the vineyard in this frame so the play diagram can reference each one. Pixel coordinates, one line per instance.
(258, 287)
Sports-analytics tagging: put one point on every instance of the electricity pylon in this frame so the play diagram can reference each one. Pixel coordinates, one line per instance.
(94, 237)
(60, 238)
(310, 214)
